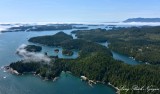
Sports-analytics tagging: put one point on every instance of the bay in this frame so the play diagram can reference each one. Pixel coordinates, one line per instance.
(29, 84)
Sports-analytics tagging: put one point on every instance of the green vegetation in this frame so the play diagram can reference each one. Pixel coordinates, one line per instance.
(67, 52)
(142, 43)
(51, 40)
(33, 48)
(49, 71)
(95, 62)
(88, 35)
(25, 67)
(100, 67)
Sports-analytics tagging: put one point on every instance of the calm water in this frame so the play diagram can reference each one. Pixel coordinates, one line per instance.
(29, 84)
(124, 58)
(121, 57)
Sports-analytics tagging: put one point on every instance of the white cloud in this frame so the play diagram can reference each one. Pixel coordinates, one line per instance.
(31, 56)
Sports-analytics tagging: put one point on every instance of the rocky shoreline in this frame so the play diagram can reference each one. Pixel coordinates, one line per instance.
(83, 78)
(12, 71)
(90, 82)
(117, 89)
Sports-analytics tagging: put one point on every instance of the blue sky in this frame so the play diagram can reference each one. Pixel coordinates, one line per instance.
(76, 10)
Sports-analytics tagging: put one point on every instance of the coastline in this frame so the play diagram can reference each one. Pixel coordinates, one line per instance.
(117, 89)
(90, 82)
(12, 71)
(83, 78)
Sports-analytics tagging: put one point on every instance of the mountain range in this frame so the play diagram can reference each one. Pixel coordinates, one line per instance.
(142, 20)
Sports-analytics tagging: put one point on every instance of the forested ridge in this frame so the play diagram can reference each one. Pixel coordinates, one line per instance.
(141, 43)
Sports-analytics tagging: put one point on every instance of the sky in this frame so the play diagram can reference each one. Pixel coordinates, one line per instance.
(77, 10)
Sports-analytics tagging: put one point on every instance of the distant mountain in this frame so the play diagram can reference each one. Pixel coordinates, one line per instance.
(142, 20)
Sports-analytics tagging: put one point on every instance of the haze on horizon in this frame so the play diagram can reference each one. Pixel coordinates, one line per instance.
(77, 10)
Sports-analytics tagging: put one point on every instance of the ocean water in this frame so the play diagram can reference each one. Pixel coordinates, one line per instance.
(30, 84)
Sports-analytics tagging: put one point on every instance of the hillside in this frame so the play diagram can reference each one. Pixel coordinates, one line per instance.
(142, 20)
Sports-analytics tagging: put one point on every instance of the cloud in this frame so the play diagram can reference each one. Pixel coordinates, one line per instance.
(31, 56)
(1, 30)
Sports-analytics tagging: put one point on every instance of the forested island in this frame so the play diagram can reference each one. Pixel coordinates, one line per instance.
(96, 61)
(67, 52)
(33, 48)
(56, 50)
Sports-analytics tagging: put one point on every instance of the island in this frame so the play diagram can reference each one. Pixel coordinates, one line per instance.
(33, 48)
(67, 52)
(75, 27)
(95, 63)
(56, 50)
